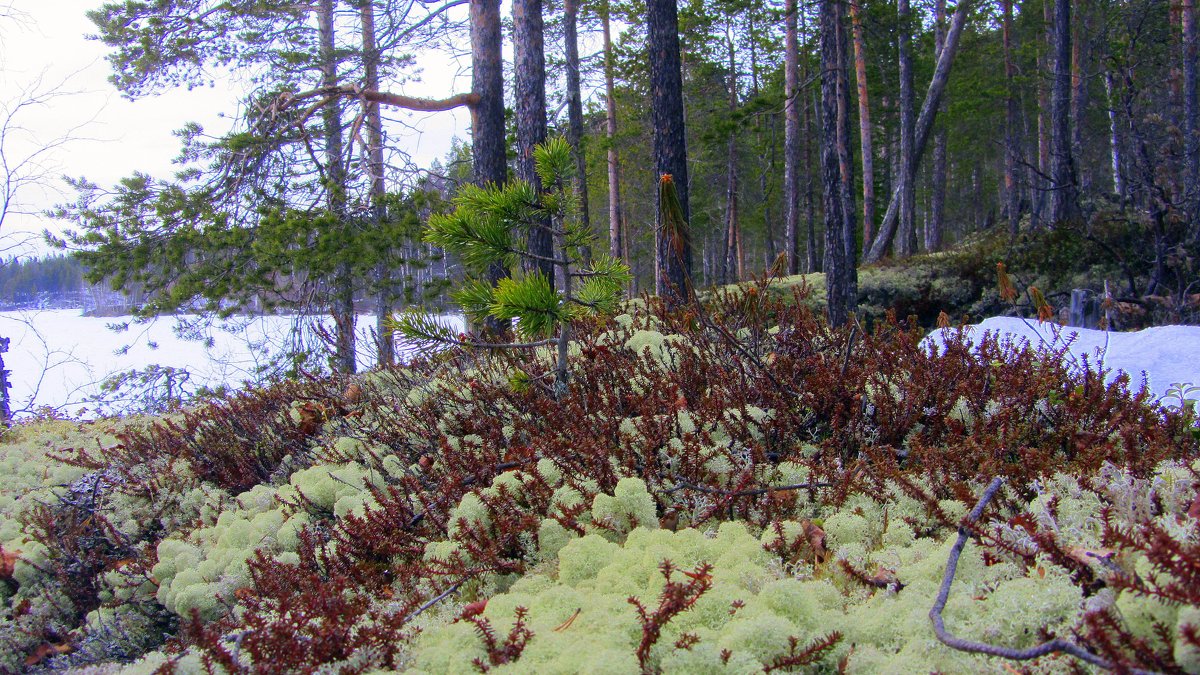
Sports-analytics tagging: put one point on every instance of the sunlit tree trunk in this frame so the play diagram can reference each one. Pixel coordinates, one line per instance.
(864, 124)
(791, 138)
(616, 247)
(732, 266)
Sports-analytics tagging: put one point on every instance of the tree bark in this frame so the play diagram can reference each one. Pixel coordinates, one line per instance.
(335, 177)
(488, 148)
(864, 125)
(1191, 114)
(934, 225)
(732, 265)
(906, 235)
(1064, 202)
(845, 158)
(616, 246)
(933, 96)
(1012, 143)
(386, 346)
(1114, 137)
(791, 138)
(674, 257)
(575, 106)
(1045, 64)
(840, 299)
(1079, 58)
(529, 73)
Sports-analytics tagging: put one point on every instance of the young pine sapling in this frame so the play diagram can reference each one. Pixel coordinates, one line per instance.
(490, 224)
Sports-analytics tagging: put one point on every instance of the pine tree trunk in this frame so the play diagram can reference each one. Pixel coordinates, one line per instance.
(906, 235)
(1191, 114)
(575, 107)
(674, 257)
(488, 152)
(791, 138)
(1079, 58)
(934, 225)
(1012, 143)
(924, 125)
(386, 345)
(1064, 204)
(840, 301)
(864, 125)
(335, 175)
(845, 159)
(529, 73)
(616, 246)
(1114, 137)
(732, 265)
(1041, 210)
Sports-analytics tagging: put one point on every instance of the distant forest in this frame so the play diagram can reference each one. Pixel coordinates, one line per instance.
(55, 281)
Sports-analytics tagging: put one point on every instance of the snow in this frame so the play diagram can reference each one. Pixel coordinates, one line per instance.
(58, 358)
(1164, 357)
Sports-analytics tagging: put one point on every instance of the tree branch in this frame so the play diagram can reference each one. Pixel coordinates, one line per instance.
(939, 625)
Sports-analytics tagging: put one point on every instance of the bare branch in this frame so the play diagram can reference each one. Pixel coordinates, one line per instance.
(1057, 645)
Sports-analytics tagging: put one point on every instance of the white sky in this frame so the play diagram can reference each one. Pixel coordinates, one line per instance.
(113, 137)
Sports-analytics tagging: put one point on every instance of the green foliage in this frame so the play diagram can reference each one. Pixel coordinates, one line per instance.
(486, 227)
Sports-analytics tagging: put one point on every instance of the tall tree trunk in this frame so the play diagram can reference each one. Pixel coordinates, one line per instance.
(1079, 57)
(864, 125)
(933, 97)
(1114, 137)
(906, 235)
(840, 300)
(529, 73)
(1045, 64)
(732, 265)
(575, 106)
(1191, 115)
(335, 177)
(934, 225)
(1012, 143)
(815, 255)
(488, 151)
(386, 347)
(791, 137)
(845, 158)
(1064, 203)
(616, 247)
(674, 257)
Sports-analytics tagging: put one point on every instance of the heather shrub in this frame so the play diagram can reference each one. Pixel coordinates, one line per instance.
(801, 481)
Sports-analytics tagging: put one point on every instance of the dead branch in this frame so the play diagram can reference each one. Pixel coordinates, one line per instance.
(939, 625)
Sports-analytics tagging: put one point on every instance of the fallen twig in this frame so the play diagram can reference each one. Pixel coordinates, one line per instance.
(939, 625)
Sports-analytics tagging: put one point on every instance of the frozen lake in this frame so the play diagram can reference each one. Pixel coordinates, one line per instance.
(59, 358)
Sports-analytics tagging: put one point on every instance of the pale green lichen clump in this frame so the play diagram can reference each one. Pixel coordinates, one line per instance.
(756, 603)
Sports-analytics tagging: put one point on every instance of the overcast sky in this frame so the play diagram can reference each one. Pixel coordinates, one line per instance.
(112, 137)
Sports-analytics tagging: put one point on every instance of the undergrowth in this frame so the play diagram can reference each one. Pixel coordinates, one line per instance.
(338, 525)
